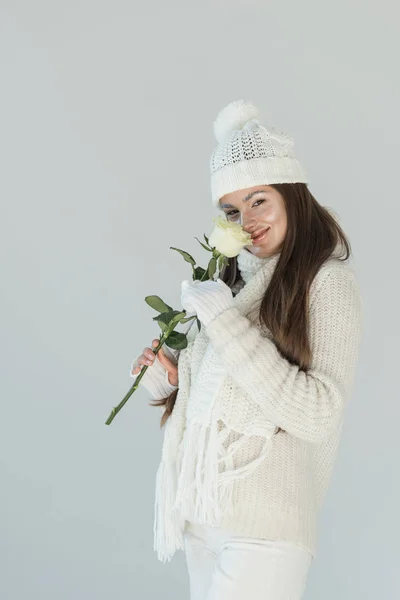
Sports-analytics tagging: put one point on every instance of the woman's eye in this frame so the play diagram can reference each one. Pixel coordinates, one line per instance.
(230, 213)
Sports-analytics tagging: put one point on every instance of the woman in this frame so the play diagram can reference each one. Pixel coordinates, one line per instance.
(253, 429)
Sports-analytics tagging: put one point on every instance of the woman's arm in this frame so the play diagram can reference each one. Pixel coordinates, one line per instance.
(307, 405)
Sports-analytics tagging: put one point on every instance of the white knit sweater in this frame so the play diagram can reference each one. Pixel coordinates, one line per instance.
(281, 498)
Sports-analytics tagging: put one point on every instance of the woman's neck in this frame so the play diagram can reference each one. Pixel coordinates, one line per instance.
(249, 263)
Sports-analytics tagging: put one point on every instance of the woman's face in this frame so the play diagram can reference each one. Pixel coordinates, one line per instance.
(257, 209)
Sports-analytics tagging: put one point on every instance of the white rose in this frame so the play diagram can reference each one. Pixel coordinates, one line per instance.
(228, 238)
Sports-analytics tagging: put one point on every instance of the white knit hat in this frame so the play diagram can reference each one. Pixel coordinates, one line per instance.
(250, 154)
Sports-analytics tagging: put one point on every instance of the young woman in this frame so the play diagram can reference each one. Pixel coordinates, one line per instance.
(254, 405)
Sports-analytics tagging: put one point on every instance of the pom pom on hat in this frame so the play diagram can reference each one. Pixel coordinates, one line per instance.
(233, 117)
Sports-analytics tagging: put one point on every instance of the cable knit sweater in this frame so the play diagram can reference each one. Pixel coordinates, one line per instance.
(281, 498)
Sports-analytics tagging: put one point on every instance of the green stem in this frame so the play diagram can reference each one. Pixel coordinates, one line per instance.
(116, 409)
(216, 254)
(129, 393)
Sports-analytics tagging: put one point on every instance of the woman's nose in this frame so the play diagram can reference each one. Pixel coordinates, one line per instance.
(248, 226)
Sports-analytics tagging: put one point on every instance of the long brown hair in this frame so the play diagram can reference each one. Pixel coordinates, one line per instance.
(312, 235)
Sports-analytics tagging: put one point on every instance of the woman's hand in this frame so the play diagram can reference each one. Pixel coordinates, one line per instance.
(148, 357)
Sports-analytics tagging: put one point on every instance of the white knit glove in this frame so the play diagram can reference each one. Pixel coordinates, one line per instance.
(207, 299)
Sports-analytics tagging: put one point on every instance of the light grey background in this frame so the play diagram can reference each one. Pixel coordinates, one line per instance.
(106, 131)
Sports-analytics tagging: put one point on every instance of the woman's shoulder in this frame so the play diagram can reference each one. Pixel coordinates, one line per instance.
(335, 277)
(334, 264)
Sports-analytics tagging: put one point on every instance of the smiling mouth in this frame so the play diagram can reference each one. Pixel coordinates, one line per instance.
(261, 234)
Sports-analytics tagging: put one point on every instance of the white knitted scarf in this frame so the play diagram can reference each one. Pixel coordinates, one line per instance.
(197, 471)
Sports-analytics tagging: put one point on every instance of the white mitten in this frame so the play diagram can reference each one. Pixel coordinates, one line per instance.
(207, 299)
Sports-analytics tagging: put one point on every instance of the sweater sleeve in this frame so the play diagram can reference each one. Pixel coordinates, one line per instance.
(308, 405)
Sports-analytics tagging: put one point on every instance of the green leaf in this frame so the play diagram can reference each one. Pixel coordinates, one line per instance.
(179, 315)
(167, 317)
(185, 255)
(212, 268)
(158, 304)
(204, 246)
(188, 319)
(198, 273)
(198, 323)
(162, 326)
(206, 238)
(176, 340)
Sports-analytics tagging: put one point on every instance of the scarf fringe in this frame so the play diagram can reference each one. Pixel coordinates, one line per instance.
(168, 524)
(202, 493)
(197, 493)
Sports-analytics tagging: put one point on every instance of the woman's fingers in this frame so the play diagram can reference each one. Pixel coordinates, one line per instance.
(146, 358)
(170, 366)
(164, 360)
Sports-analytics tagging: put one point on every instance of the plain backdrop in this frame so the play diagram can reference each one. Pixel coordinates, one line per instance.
(105, 137)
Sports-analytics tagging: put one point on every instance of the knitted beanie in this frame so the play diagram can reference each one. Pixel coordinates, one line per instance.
(250, 154)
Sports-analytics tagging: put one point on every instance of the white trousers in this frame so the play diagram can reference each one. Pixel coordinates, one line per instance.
(226, 566)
